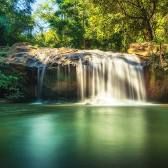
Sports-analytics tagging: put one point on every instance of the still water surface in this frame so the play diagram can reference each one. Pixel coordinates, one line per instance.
(52, 136)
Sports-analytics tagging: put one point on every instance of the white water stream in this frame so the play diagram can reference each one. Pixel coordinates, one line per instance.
(114, 78)
(103, 78)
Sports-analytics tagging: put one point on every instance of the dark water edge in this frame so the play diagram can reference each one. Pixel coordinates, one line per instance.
(75, 136)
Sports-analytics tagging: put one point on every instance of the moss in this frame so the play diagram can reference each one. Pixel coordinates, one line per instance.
(3, 53)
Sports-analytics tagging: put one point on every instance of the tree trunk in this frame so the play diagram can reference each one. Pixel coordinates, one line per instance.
(148, 31)
(160, 55)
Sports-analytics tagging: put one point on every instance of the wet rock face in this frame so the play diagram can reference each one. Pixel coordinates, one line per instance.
(29, 56)
(156, 84)
(62, 86)
(26, 59)
(33, 57)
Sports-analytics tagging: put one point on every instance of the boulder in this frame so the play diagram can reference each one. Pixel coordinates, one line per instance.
(29, 56)
(146, 49)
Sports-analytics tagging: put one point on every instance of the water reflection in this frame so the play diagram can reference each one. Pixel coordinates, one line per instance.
(111, 132)
(43, 139)
(82, 137)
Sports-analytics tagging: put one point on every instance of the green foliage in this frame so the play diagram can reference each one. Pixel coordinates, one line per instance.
(10, 86)
(15, 20)
(106, 24)
(3, 52)
(6, 81)
(144, 18)
(103, 24)
(47, 39)
(14, 94)
(66, 22)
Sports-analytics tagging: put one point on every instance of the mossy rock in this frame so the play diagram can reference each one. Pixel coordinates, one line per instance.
(147, 49)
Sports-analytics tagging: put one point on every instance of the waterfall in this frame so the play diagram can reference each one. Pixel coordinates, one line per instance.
(102, 78)
(40, 77)
(41, 69)
(110, 78)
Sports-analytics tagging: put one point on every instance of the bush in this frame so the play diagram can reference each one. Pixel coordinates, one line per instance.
(10, 87)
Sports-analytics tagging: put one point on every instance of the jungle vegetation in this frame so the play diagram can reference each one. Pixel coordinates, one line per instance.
(103, 24)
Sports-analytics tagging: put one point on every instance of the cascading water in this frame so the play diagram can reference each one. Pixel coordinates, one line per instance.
(111, 78)
(103, 78)
(40, 77)
(41, 69)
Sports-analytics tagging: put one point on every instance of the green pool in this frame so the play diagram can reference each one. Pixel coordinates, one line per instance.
(74, 136)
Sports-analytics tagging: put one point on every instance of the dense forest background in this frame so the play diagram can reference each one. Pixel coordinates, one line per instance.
(103, 24)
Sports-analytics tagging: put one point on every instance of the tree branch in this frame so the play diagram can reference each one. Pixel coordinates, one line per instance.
(154, 2)
(126, 13)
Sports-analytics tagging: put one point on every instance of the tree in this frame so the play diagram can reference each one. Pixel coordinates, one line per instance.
(15, 20)
(140, 14)
(68, 21)
(104, 24)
